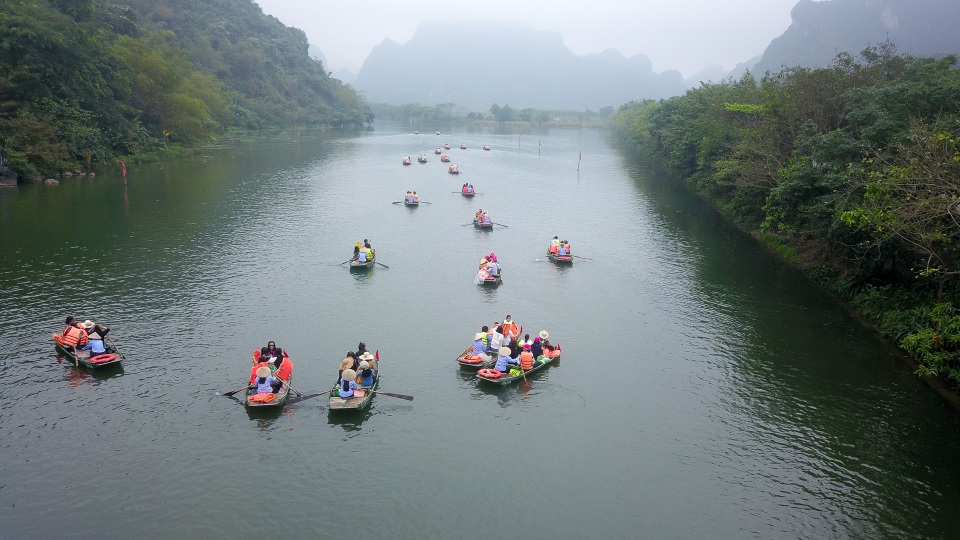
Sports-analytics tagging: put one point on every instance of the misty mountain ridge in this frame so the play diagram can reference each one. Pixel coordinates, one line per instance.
(478, 65)
(819, 30)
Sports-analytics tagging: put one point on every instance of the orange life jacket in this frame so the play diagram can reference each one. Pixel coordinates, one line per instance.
(554, 248)
(510, 328)
(286, 368)
(73, 336)
(526, 360)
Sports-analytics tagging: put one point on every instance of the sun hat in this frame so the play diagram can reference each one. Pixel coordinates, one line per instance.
(87, 324)
(263, 371)
(348, 375)
(504, 351)
(478, 335)
(346, 363)
(366, 356)
(483, 261)
(364, 365)
(544, 334)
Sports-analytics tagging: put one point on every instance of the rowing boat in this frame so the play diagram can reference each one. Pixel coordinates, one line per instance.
(409, 203)
(467, 194)
(357, 265)
(560, 259)
(280, 397)
(505, 378)
(467, 362)
(361, 399)
(111, 357)
(491, 282)
(484, 226)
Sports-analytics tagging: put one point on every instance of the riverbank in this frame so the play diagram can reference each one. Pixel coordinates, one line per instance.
(806, 257)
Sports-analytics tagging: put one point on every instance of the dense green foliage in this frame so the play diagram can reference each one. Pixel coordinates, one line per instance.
(90, 80)
(852, 170)
(445, 113)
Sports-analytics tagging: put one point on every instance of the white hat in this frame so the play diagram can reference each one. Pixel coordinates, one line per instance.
(87, 324)
(504, 351)
(263, 371)
(478, 335)
(348, 375)
(366, 356)
(364, 365)
(544, 334)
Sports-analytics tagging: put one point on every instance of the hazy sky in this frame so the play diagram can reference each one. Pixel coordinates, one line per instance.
(675, 34)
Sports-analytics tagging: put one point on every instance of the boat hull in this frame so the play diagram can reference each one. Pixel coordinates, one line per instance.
(484, 363)
(407, 203)
(483, 226)
(354, 265)
(560, 259)
(84, 361)
(505, 380)
(279, 399)
(355, 403)
(467, 195)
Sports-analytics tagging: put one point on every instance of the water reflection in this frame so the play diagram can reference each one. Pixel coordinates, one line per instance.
(77, 376)
(350, 421)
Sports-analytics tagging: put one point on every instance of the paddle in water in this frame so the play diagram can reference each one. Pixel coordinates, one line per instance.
(232, 392)
(391, 394)
(501, 224)
(383, 265)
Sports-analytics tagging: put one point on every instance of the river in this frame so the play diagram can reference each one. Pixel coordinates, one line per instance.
(705, 389)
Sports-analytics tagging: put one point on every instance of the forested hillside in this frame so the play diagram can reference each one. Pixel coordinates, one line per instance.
(90, 80)
(852, 171)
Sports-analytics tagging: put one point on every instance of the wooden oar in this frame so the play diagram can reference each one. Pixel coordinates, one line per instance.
(501, 224)
(397, 202)
(308, 396)
(344, 262)
(115, 347)
(391, 394)
(383, 265)
(290, 387)
(584, 258)
(232, 392)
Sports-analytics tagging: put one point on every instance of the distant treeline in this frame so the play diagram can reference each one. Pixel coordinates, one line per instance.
(446, 113)
(852, 171)
(91, 80)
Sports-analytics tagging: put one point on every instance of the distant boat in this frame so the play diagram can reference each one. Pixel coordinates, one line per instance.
(437, 151)
(422, 158)
(463, 146)
(415, 132)
(486, 147)
(446, 146)
(453, 169)
(438, 132)
(405, 160)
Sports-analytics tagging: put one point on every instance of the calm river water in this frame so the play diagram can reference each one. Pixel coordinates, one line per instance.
(705, 390)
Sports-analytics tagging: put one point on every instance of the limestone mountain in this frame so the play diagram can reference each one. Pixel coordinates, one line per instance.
(477, 65)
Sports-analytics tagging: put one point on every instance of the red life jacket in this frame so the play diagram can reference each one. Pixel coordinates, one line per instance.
(73, 336)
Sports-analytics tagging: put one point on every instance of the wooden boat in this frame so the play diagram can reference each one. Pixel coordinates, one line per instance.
(357, 402)
(492, 282)
(560, 259)
(438, 132)
(486, 147)
(421, 158)
(356, 265)
(466, 363)
(111, 357)
(453, 169)
(505, 378)
(405, 160)
(446, 146)
(414, 203)
(467, 194)
(484, 226)
(279, 398)
(463, 146)
(438, 151)
(445, 158)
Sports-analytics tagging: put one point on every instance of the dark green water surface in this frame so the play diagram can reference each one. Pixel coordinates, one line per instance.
(705, 390)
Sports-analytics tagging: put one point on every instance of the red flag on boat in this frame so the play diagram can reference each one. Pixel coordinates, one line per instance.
(376, 355)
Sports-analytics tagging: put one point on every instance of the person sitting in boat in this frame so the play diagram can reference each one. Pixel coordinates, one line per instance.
(563, 249)
(266, 382)
(470, 188)
(526, 358)
(478, 215)
(416, 198)
(485, 335)
(73, 335)
(485, 219)
(479, 348)
(545, 343)
(347, 383)
(510, 330)
(350, 362)
(553, 249)
(366, 374)
(504, 361)
(496, 339)
(94, 344)
(537, 348)
(515, 348)
(566, 246)
(361, 350)
(272, 355)
(361, 256)
(370, 359)
(555, 241)
(369, 250)
(526, 340)
(493, 267)
(482, 274)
